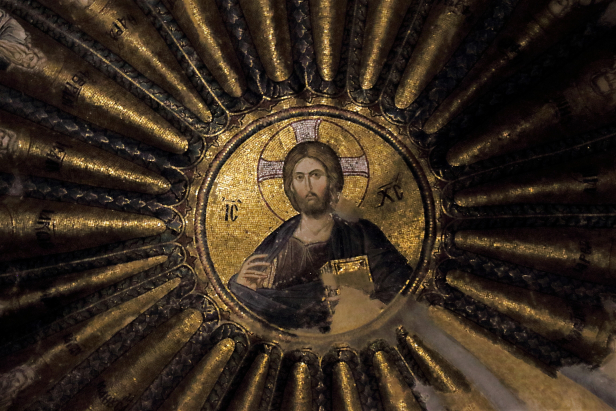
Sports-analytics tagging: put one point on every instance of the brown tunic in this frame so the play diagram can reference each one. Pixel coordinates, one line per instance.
(299, 263)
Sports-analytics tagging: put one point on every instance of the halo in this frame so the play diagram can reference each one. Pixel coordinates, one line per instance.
(351, 154)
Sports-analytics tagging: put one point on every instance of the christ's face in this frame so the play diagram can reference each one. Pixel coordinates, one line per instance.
(311, 186)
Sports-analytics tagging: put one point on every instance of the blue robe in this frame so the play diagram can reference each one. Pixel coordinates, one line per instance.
(303, 305)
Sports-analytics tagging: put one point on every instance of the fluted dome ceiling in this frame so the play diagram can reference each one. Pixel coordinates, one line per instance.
(152, 256)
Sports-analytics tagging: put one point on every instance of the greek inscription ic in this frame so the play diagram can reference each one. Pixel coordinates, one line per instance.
(231, 209)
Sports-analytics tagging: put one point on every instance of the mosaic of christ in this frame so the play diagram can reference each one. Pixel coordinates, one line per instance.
(326, 258)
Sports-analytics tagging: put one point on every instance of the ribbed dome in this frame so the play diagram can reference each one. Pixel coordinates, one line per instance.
(156, 253)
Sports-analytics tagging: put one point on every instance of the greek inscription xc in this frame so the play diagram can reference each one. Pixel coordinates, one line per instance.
(391, 191)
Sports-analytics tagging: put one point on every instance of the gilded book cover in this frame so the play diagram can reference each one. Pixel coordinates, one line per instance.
(348, 273)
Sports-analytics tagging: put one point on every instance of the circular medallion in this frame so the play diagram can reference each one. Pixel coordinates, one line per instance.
(313, 220)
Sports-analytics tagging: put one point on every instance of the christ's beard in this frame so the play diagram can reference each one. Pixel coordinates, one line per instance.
(313, 205)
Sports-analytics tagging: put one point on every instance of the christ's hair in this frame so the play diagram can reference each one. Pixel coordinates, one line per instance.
(323, 154)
